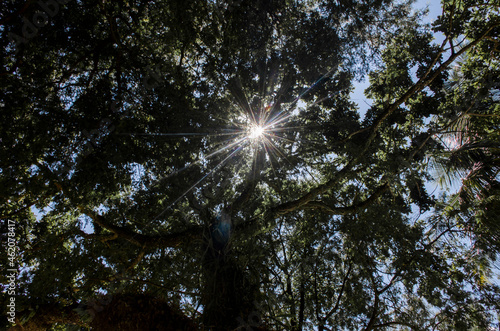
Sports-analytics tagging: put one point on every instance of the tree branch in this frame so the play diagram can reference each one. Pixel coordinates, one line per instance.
(417, 87)
(351, 209)
(146, 241)
(334, 309)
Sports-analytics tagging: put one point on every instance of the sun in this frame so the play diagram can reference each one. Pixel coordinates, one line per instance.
(256, 132)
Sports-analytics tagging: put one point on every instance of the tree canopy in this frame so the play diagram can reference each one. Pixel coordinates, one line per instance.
(201, 165)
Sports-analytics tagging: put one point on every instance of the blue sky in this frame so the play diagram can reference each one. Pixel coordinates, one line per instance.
(358, 94)
(364, 103)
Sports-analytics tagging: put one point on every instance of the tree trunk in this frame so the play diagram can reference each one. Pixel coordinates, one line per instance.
(227, 295)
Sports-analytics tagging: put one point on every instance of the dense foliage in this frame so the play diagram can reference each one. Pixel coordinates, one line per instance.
(134, 174)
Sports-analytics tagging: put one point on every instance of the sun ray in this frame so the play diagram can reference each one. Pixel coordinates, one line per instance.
(254, 162)
(283, 128)
(220, 164)
(301, 95)
(280, 117)
(278, 137)
(207, 157)
(294, 141)
(280, 120)
(272, 144)
(271, 160)
(272, 154)
(181, 134)
(242, 99)
(286, 159)
(261, 129)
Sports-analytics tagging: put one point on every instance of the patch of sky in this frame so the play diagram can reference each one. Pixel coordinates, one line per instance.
(357, 94)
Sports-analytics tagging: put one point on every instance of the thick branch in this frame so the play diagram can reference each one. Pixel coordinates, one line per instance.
(423, 82)
(291, 206)
(147, 241)
(339, 297)
(374, 315)
(351, 209)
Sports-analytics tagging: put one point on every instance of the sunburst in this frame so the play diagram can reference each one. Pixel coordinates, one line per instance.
(256, 132)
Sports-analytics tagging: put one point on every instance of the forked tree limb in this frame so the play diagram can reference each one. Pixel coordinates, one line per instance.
(422, 83)
(146, 241)
(349, 209)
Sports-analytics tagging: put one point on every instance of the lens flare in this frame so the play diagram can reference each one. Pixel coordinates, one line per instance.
(256, 132)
